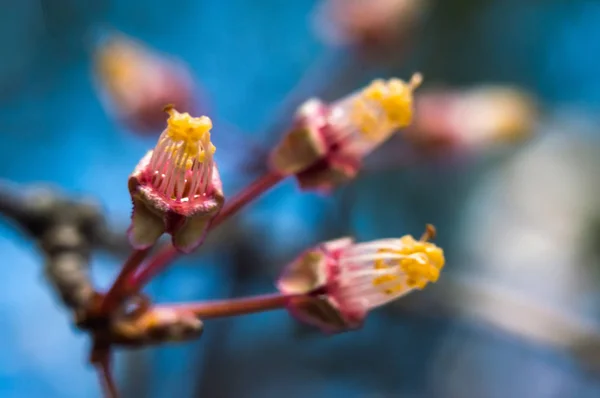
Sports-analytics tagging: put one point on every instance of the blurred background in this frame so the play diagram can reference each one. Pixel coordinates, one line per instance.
(510, 181)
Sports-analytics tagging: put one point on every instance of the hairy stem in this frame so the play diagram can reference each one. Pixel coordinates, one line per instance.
(233, 307)
(168, 254)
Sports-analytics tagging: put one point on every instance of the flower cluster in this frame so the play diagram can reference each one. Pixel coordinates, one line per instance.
(176, 189)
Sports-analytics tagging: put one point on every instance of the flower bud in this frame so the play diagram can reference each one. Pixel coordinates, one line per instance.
(154, 326)
(176, 187)
(473, 119)
(328, 142)
(373, 23)
(135, 83)
(337, 283)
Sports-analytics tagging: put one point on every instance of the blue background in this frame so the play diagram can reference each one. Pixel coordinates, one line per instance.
(247, 55)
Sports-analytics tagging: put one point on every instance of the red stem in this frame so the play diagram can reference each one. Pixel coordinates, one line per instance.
(100, 358)
(109, 388)
(167, 254)
(242, 306)
(114, 295)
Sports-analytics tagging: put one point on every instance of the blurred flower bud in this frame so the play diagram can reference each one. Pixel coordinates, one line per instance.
(154, 326)
(339, 282)
(135, 83)
(327, 143)
(473, 119)
(176, 187)
(367, 23)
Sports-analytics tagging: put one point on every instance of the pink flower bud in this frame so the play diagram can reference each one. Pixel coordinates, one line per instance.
(176, 187)
(473, 119)
(340, 281)
(135, 83)
(368, 23)
(328, 142)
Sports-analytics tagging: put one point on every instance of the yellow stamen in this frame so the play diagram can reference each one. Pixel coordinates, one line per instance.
(421, 263)
(366, 120)
(384, 106)
(190, 134)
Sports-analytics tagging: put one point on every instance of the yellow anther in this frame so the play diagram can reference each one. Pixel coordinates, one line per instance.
(417, 268)
(380, 264)
(436, 256)
(183, 127)
(192, 134)
(400, 287)
(420, 262)
(407, 241)
(365, 119)
(376, 90)
(380, 280)
(384, 106)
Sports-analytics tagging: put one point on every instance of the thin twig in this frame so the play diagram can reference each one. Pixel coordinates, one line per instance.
(109, 387)
(113, 297)
(233, 307)
(100, 358)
